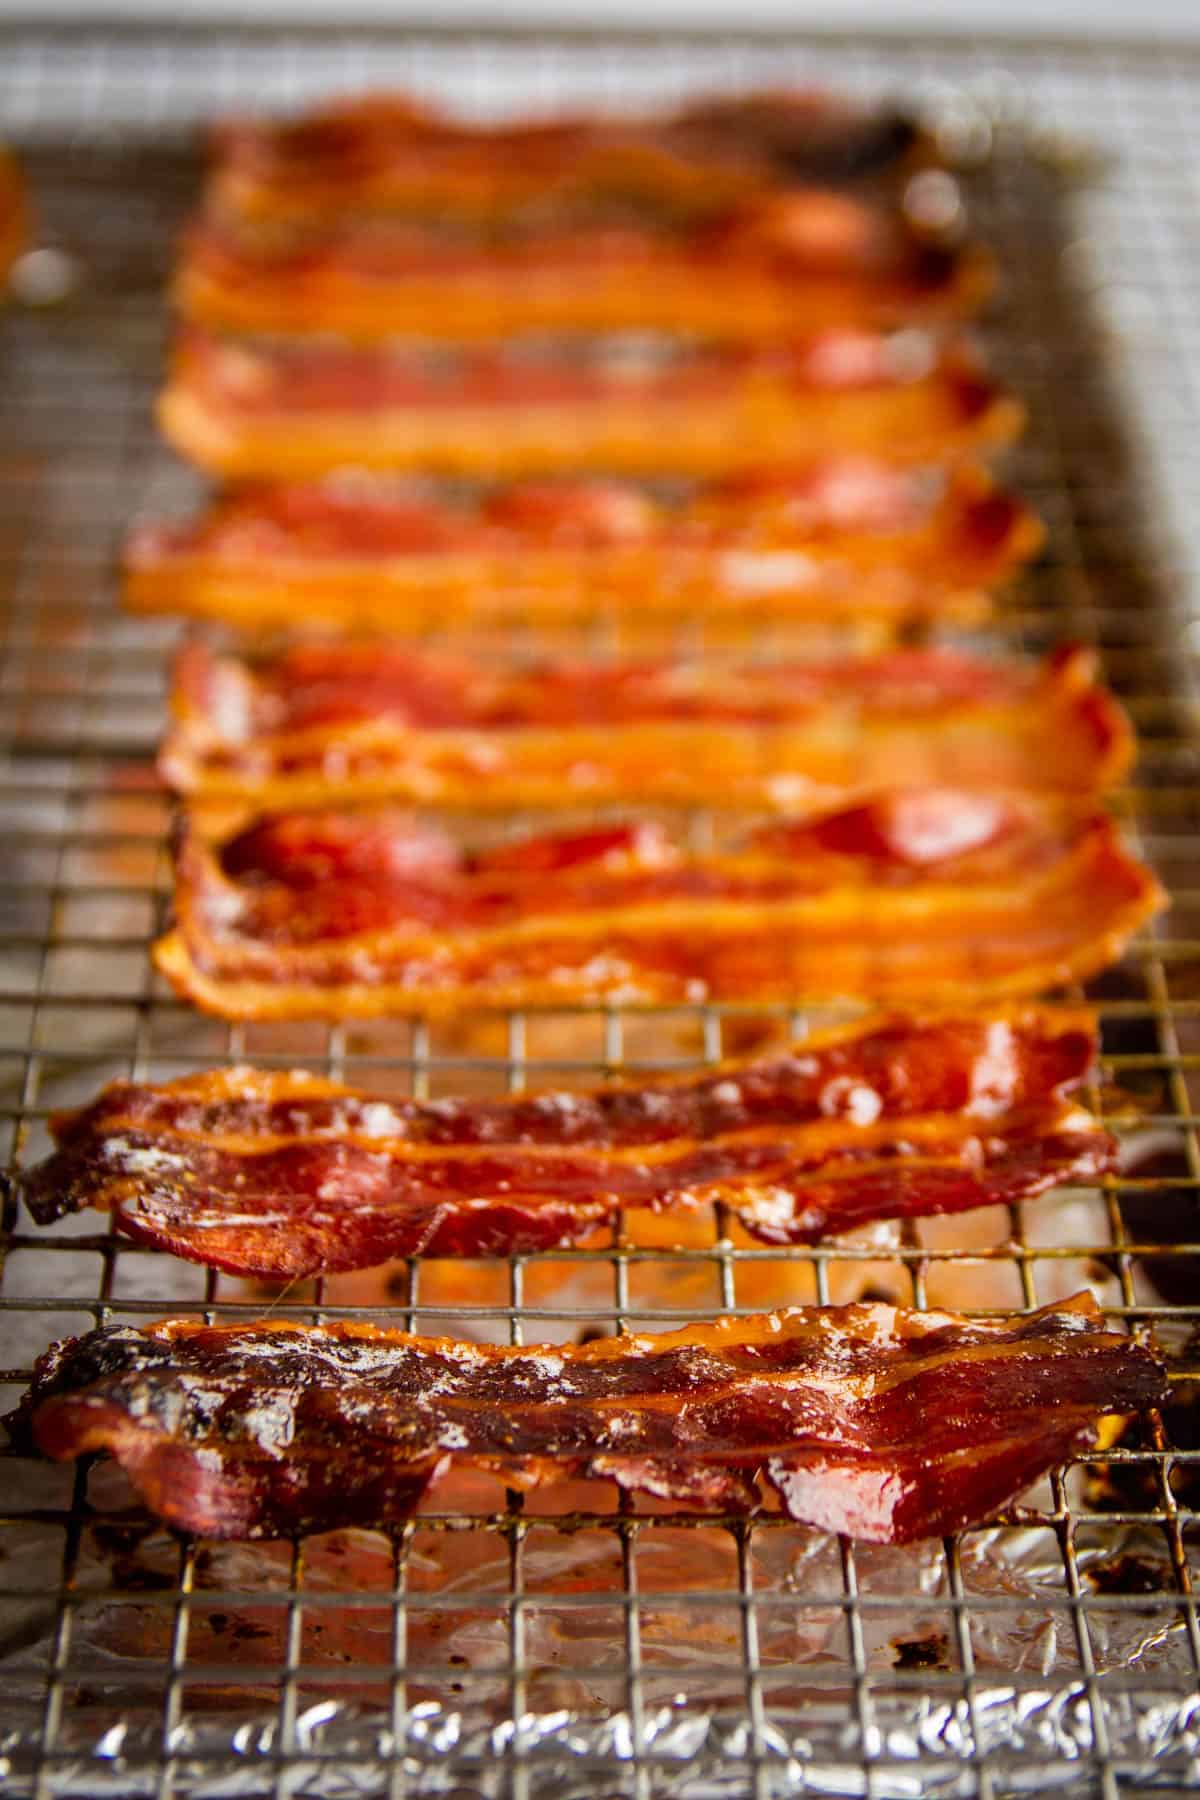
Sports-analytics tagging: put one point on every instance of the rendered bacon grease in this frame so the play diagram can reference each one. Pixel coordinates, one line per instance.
(843, 541)
(916, 898)
(883, 1424)
(338, 723)
(286, 1175)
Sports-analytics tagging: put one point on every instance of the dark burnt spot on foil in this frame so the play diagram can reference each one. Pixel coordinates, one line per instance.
(1130, 1573)
(1158, 1212)
(929, 1651)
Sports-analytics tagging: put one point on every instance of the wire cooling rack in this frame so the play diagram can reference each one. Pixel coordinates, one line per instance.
(493, 1650)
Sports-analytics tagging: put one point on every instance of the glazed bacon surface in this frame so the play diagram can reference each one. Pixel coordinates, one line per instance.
(912, 898)
(342, 722)
(884, 1424)
(766, 270)
(388, 153)
(265, 409)
(14, 218)
(287, 1175)
(845, 540)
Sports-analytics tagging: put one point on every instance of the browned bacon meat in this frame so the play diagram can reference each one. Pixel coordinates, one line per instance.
(381, 154)
(767, 269)
(338, 723)
(919, 897)
(846, 542)
(14, 214)
(250, 409)
(884, 1424)
(286, 1175)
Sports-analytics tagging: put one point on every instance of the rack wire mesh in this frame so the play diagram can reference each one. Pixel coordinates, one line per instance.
(494, 1649)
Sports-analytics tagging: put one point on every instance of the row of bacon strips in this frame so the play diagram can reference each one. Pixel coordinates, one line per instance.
(739, 297)
(766, 305)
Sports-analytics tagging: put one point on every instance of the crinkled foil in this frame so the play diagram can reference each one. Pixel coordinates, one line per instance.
(338, 1753)
(1031, 1706)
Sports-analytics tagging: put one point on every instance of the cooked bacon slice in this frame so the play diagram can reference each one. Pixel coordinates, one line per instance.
(286, 1175)
(14, 220)
(329, 723)
(251, 409)
(845, 541)
(918, 897)
(387, 153)
(768, 270)
(884, 1424)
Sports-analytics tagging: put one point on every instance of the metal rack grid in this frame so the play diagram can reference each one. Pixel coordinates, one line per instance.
(497, 1650)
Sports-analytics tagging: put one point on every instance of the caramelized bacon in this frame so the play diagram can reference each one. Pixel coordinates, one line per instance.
(286, 1175)
(327, 723)
(386, 153)
(845, 540)
(768, 270)
(915, 897)
(265, 409)
(14, 220)
(883, 1424)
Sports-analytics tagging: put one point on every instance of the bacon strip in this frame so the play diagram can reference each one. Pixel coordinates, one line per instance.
(912, 898)
(329, 723)
(286, 1175)
(884, 1424)
(847, 539)
(14, 218)
(387, 153)
(261, 409)
(768, 270)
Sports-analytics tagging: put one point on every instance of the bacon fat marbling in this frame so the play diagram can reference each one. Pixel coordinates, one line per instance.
(884, 1424)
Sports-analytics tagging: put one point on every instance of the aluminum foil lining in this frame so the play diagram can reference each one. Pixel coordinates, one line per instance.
(1032, 1704)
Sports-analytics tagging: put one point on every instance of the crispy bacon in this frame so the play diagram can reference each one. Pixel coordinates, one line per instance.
(286, 1175)
(387, 153)
(252, 409)
(915, 898)
(342, 722)
(843, 541)
(768, 270)
(14, 219)
(884, 1424)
